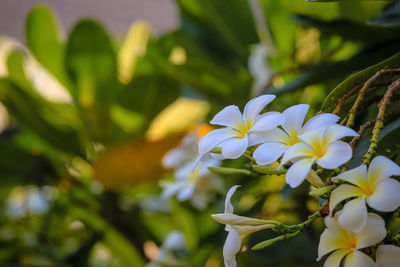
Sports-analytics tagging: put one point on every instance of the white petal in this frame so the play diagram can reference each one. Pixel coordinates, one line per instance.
(388, 255)
(354, 215)
(232, 244)
(274, 135)
(234, 148)
(358, 259)
(230, 263)
(335, 132)
(214, 138)
(256, 105)
(314, 136)
(186, 192)
(294, 118)
(230, 116)
(267, 121)
(296, 151)
(382, 167)
(173, 158)
(373, 232)
(172, 189)
(269, 152)
(228, 205)
(298, 171)
(336, 257)
(356, 176)
(337, 153)
(332, 238)
(343, 192)
(319, 120)
(386, 196)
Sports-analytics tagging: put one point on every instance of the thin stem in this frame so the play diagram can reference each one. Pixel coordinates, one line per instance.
(340, 101)
(379, 121)
(360, 97)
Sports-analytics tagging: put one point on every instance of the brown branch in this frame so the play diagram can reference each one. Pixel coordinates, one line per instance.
(366, 85)
(379, 121)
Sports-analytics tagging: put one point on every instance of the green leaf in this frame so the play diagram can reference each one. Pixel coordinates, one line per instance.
(389, 17)
(348, 30)
(92, 65)
(44, 38)
(231, 21)
(326, 72)
(389, 140)
(118, 244)
(356, 79)
(148, 95)
(26, 109)
(91, 62)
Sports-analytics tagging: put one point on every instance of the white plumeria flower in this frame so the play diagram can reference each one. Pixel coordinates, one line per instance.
(238, 134)
(166, 257)
(277, 141)
(372, 186)
(179, 156)
(347, 244)
(194, 184)
(319, 146)
(388, 256)
(238, 227)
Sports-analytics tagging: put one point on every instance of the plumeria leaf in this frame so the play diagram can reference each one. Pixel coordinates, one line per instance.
(357, 79)
(389, 17)
(348, 30)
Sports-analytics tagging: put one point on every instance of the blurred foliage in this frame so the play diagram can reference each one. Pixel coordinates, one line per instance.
(90, 119)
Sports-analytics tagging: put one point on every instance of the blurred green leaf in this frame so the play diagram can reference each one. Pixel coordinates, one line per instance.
(92, 65)
(348, 30)
(148, 95)
(389, 17)
(357, 79)
(325, 72)
(44, 38)
(26, 110)
(119, 245)
(91, 62)
(225, 26)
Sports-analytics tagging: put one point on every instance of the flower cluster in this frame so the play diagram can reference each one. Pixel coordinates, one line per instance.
(298, 146)
(280, 135)
(194, 184)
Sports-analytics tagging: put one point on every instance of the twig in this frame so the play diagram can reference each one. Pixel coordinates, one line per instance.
(379, 121)
(344, 97)
(360, 97)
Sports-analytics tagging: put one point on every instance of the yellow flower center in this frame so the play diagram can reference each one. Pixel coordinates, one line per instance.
(319, 150)
(243, 128)
(369, 189)
(293, 139)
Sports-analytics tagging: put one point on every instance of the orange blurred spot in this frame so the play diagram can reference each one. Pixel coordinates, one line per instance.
(124, 166)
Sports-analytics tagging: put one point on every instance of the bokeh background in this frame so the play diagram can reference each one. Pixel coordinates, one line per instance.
(95, 93)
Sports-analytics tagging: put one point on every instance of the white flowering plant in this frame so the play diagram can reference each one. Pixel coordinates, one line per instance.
(320, 152)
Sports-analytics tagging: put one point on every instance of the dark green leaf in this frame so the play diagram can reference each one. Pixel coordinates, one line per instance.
(332, 71)
(356, 79)
(390, 16)
(348, 30)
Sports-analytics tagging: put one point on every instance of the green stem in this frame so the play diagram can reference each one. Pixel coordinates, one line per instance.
(379, 121)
